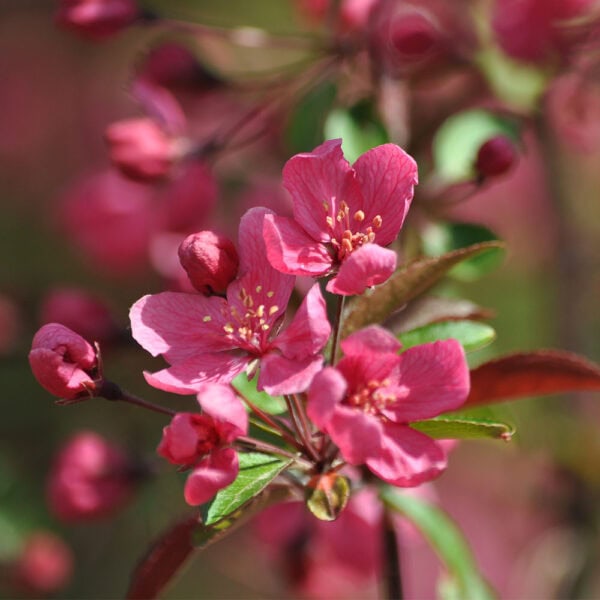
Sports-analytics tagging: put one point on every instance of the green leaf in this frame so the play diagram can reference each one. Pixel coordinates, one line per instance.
(441, 238)
(359, 129)
(472, 335)
(458, 140)
(274, 405)
(305, 127)
(463, 429)
(257, 470)
(326, 495)
(408, 282)
(445, 538)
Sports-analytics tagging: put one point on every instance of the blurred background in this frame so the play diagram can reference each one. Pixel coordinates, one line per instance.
(80, 243)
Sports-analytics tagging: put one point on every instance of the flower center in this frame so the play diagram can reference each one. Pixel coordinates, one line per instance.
(372, 398)
(208, 437)
(343, 237)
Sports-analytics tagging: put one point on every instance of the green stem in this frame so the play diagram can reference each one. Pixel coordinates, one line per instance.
(337, 327)
(261, 446)
(301, 426)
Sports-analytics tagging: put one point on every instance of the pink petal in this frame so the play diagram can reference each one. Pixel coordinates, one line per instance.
(318, 181)
(291, 250)
(180, 440)
(327, 390)
(309, 330)
(60, 378)
(250, 239)
(387, 176)
(434, 379)
(213, 473)
(221, 403)
(189, 376)
(406, 457)
(359, 369)
(357, 434)
(370, 339)
(179, 326)
(280, 375)
(367, 266)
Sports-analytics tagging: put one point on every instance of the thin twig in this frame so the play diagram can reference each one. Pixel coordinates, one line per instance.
(337, 327)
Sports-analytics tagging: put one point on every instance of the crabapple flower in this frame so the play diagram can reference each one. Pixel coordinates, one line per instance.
(343, 215)
(495, 157)
(141, 148)
(367, 402)
(213, 339)
(202, 442)
(210, 261)
(90, 478)
(63, 362)
(97, 18)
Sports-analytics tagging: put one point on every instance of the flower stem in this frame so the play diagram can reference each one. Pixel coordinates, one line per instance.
(270, 449)
(392, 575)
(337, 327)
(301, 425)
(111, 391)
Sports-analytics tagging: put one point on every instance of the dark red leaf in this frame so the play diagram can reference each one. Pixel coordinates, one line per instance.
(164, 559)
(531, 374)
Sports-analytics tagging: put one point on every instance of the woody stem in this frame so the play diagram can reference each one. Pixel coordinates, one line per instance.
(269, 449)
(111, 391)
(337, 327)
(301, 425)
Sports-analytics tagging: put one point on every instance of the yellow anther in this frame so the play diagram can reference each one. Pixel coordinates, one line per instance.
(329, 221)
(260, 311)
(248, 301)
(228, 328)
(377, 221)
(206, 319)
(326, 206)
(258, 289)
(346, 244)
(273, 310)
(264, 327)
(359, 216)
(270, 294)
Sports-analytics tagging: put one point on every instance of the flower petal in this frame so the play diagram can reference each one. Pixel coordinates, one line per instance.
(178, 325)
(357, 434)
(327, 390)
(406, 457)
(309, 330)
(318, 181)
(291, 250)
(370, 339)
(434, 378)
(179, 444)
(367, 266)
(220, 402)
(213, 473)
(189, 376)
(280, 375)
(387, 176)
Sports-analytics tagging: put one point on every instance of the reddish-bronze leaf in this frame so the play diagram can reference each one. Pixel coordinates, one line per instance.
(164, 559)
(406, 283)
(531, 374)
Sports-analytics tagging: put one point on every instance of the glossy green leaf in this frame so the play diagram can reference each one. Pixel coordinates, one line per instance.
(257, 470)
(441, 238)
(463, 429)
(408, 282)
(445, 538)
(274, 405)
(472, 335)
(357, 127)
(458, 140)
(305, 127)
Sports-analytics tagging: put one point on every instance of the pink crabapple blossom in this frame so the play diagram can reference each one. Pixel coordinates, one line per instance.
(367, 402)
(343, 215)
(212, 339)
(202, 442)
(90, 478)
(63, 362)
(97, 19)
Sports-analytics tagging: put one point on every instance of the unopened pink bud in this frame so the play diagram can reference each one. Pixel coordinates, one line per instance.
(90, 478)
(414, 35)
(210, 260)
(495, 157)
(140, 148)
(97, 18)
(80, 311)
(45, 565)
(63, 362)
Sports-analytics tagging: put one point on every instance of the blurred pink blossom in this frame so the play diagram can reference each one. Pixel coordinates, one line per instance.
(90, 478)
(97, 19)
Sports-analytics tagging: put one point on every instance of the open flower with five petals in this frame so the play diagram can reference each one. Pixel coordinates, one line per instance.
(367, 402)
(213, 339)
(343, 215)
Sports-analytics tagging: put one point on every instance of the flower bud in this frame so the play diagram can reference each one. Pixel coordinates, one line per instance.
(80, 311)
(45, 565)
(495, 157)
(63, 362)
(414, 36)
(97, 18)
(140, 148)
(210, 260)
(90, 478)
